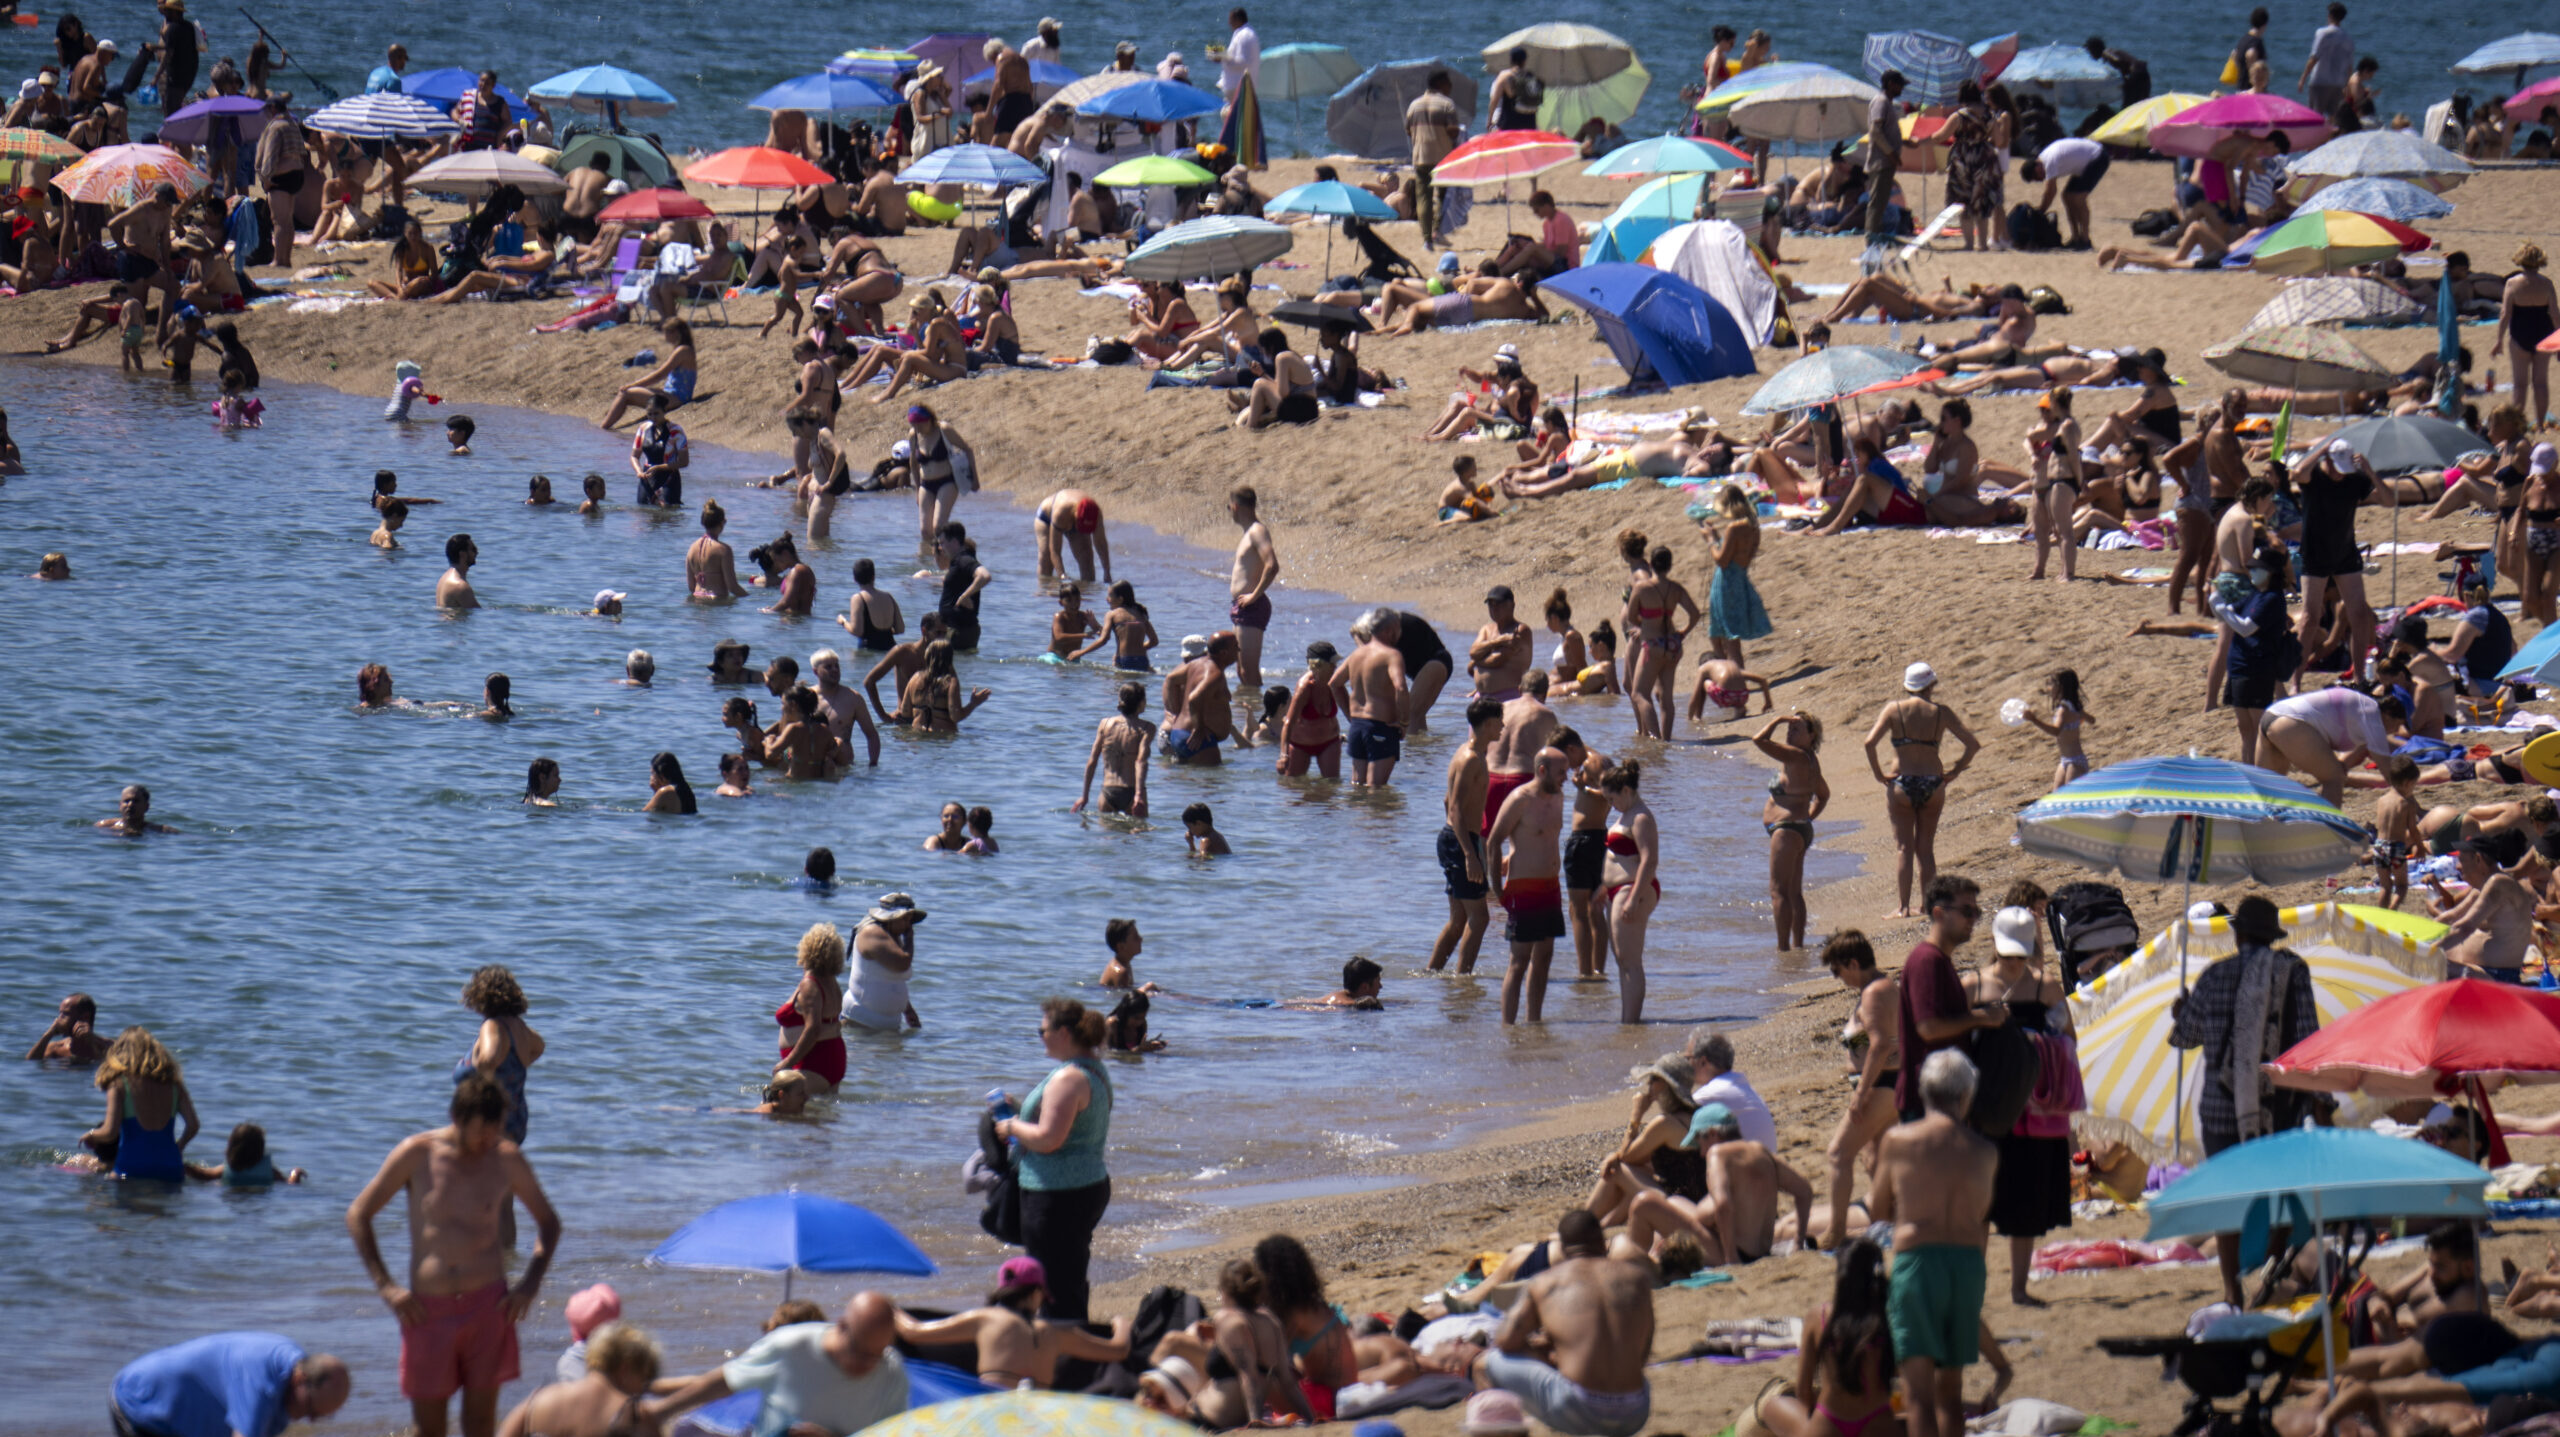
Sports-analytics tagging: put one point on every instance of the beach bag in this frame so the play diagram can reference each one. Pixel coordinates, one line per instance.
(2152, 224)
(1111, 351)
(2032, 229)
(2045, 299)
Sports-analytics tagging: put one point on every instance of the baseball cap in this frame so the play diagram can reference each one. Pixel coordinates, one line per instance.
(1022, 1272)
(1493, 1411)
(1449, 262)
(1714, 1117)
(592, 1308)
(2013, 933)
(1919, 678)
(1498, 594)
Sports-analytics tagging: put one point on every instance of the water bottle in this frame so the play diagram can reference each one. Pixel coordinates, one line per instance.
(1000, 1104)
(1897, 334)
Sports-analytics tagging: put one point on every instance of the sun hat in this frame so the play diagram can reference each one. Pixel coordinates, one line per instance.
(614, 595)
(894, 906)
(1919, 678)
(2545, 458)
(616, 187)
(1022, 1272)
(1672, 1068)
(1714, 1117)
(1493, 1411)
(727, 646)
(1508, 351)
(1194, 646)
(592, 1308)
(2013, 933)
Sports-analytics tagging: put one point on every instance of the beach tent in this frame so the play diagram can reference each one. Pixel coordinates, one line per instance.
(1661, 327)
(1715, 256)
(2357, 955)
(636, 160)
(1366, 117)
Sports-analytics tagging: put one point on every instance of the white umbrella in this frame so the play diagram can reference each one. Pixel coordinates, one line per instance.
(1815, 110)
(1220, 244)
(477, 172)
(383, 115)
(1564, 54)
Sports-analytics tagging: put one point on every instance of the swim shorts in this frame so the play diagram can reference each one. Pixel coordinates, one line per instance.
(1256, 615)
(1566, 1405)
(466, 1342)
(1375, 742)
(1534, 909)
(1497, 787)
(1118, 799)
(1454, 853)
(1586, 853)
(1182, 743)
(1935, 1303)
(2087, 180)
(1448, 311)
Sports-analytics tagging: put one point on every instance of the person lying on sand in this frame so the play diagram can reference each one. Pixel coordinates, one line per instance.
(2089, 371)
(1410, 308)
(1683, 454)
(1891, 299)
(1827, 445)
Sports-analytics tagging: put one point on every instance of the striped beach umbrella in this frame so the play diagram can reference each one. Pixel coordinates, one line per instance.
(2131, 126)
(2140, 1090)
(881, 67)
(1032, 1414)
(1504, 155)
(1828, 376)
(2518, 52)
(2392, 199)
(1997, 54)
(120, 175)
(382, 115)
(2337, 299)
(1934, 66)
(1218, 245)
(984, 166)
(1762, 77)
(2299, 356)
(2390, 154)
(2213, 820)
(1242, 132)
(2329, 241)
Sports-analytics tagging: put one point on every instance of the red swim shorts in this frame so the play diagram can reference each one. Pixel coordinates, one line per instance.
(466, 1342)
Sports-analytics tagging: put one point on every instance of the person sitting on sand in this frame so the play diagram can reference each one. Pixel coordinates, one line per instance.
(1650, 1157)
(1953, 474)
(1218, 341)
(1508, 414)
(1827, 442)
(1879, 496)
(1016, 1346)
(2202, 241)
(1286, 396)
(1737, 1220)
(1466, 499)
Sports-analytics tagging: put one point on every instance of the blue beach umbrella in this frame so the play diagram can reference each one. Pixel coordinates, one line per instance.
(2391, 199)
(2065, 74)
(608, 89)
(1935, 66)
(444, 89)
(1331, 199)
(984, 166)
(1662, 328)
(1828, 376)
(2538, 662)
(1152, 102)
(1668, 155)
(826, 93)
(791, 1233)
(1644, 215)
(2216, 821)
(2326, 1174)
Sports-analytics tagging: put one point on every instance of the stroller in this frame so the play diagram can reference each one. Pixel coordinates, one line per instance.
(2253, 1357)
(2088, 919)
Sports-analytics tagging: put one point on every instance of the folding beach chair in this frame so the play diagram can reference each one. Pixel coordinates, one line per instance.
(626, 259)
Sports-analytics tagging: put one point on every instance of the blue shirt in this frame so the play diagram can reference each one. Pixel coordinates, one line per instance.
(383, 78)
(211, 1387)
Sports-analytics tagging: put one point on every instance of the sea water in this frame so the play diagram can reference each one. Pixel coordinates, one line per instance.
(302, 942)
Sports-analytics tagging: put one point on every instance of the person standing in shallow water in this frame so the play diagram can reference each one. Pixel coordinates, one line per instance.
(506, 1046)
(453, 590)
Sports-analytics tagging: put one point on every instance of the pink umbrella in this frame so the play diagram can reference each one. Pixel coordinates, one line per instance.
(2195, 132)
(2530, 100)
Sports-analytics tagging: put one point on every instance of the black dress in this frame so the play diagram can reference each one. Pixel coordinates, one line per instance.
(2031, 1194)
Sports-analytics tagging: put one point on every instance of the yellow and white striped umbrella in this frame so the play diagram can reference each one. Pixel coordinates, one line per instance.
(2357, 956)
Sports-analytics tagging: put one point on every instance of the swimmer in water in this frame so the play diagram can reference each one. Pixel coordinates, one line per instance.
(982, 833)
(373, 688)
(787, 1096)
(53, 566)
(954, 834)
(729, 663)
(608, 604)
(1120, 745)
(638, 668)
(537, 490)
(386, 487)
(1072, 622)
(458, 431)
(817, 871)
(738, 716)
(453, 591)
(593, 488)
(1200, 833)
(541, 781)
(1362, 982)
(73, 1035)
(737, 776)
(133, 814)
(1128, 623)
(494, 692)
(386, 534)
(246, 1163)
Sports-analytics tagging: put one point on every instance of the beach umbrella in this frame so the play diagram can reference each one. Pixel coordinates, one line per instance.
(195, 124)
(1241, 135)
(2336, 299)
(983, 166)
(1151, 101)
(2391, 154)
(382, 115)
(1565, 109)
(1644, 216)
(2218, 822)
(445, 87)
(1076, 96)
(792, 1233)
(2538, 662)
(1563, 54)
(1716, 256)
(957, 51)
(1764, 77)
(1668, 155)
(2194, 132)
(1031, 1414)
(2065, 74)
(21, 143)
(2518, 52)
(1315, 315)
(1996, 55)
(827, 93)
(1047, 78)
(2327, 241)
(882, 67)
(653, 204)
(1299, 72)
(1933, 66)
(2533, 99)
(1828, 376)
(2435, 1041)
(118, 176)
(2299, 356)
(1365, 118)
(1813, 111)
(1217, 245)
(2328, 1174)
(754, 167)
(1147, 170)
(1329, 199)
(1662, 328)
(2403, 443)
(2131, 126)
(476, 172)
(2141, 1091)
(2391, 199)
(608, 90)
(1502, 156)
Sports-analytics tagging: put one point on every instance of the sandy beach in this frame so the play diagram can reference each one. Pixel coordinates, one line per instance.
(1351, 502)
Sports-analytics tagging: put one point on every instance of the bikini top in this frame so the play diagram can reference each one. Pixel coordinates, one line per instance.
(1620, 842)
(789, 1015)
(1902, 733)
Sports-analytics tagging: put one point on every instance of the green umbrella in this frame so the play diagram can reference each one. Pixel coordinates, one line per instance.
(1154, 170)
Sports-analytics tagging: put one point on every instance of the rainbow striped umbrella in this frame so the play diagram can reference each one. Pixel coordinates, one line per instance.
(120, 175)
(2218, 821)
(1504, 155)
(2131, 126)
(1242, 133)
(1763, 77)
(2331, 241)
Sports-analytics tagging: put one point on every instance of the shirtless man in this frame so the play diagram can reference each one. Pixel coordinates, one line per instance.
(1015, 1344)
(2235, 544)
(1256, 569)
(1933, 1183)
(1511, 762)
(73, 1035)
(133, 814)
(1071, 519)
(1501, 655)
(1878, 1054)
(1596, 1313)
(1053, 122)
(1651, 458)
(457, 1314)
(883, 203)
(1528, 826)
(905, 661)
(801, 741)
(844, 708)
(2011, 333)
(1585, 854)
(1369, 687)
(143, 231)
(711, 566)
(586, 197)
(1462, 841)
(2088, 370)
(1737, 1221)
(1120, 745)
(1199, 713)
(453, 590)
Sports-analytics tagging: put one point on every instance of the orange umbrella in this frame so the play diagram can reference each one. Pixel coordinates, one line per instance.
(1504, 155)
(656, 204)
(757, 168)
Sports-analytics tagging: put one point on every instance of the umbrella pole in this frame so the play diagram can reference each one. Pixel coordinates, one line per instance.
(2328, 1306)
(787, 1274)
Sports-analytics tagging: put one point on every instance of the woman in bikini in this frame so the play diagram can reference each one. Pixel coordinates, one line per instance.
(1217, 341)
(2053, 461)
(860, 299)
(1726, 685)
(2528, 314)
(1915, 792)
(930, 446)
(1630, 882)
(1797, 797)
(1846, 1363)
(937, 337)
(1571, 656)
(1312, 733)
(931, 703)
(1164, 319)
(812, 1018)
(1319, 1340)
(1655, 604)
(1509, 415)
(2063, 692)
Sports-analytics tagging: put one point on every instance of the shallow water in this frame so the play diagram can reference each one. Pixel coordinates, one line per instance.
(302, 942)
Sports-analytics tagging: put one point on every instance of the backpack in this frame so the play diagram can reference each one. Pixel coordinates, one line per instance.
(2152, 224)
(2045, 299)
(2032, 229)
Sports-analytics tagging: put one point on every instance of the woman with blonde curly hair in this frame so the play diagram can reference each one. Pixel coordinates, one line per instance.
(147, 1104)
(507, 1044)
(2528, 314)
(812, 1018)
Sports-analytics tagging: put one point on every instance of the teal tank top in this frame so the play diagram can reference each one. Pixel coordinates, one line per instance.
(1078, 1161)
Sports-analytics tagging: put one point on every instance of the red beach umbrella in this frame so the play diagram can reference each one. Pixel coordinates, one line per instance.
(2465, 1034)
(1504, 155)
(757, 168)
(656, 203)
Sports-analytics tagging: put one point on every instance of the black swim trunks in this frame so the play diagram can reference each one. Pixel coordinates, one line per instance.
(1586, 854)
(1454, 852)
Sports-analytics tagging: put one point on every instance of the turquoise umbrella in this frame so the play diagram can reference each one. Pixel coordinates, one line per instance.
(1642, 217)
(1333, 200)
(1668, 155)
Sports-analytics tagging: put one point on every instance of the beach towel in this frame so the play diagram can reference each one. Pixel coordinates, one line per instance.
(2104, 1254)
(2057, 1093)
(1430, 1390)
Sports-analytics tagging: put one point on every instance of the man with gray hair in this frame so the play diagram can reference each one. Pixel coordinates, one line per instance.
(1711, 1053)
(1933, 1183)
(638, 668)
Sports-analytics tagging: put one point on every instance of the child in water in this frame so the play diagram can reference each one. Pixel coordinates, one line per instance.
(1200, 833)
(537, 490)
(1362, 982)
(408, 386)
(1125, 1031)
(237, 408)
(1602, 675)
(246, 1162)
(137, 328)
(1122, 935)
(594, 489)
(982, 832)
(458, 431)
(387, 484)
(1072, 623)
(1128, 624)
(394, 514)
